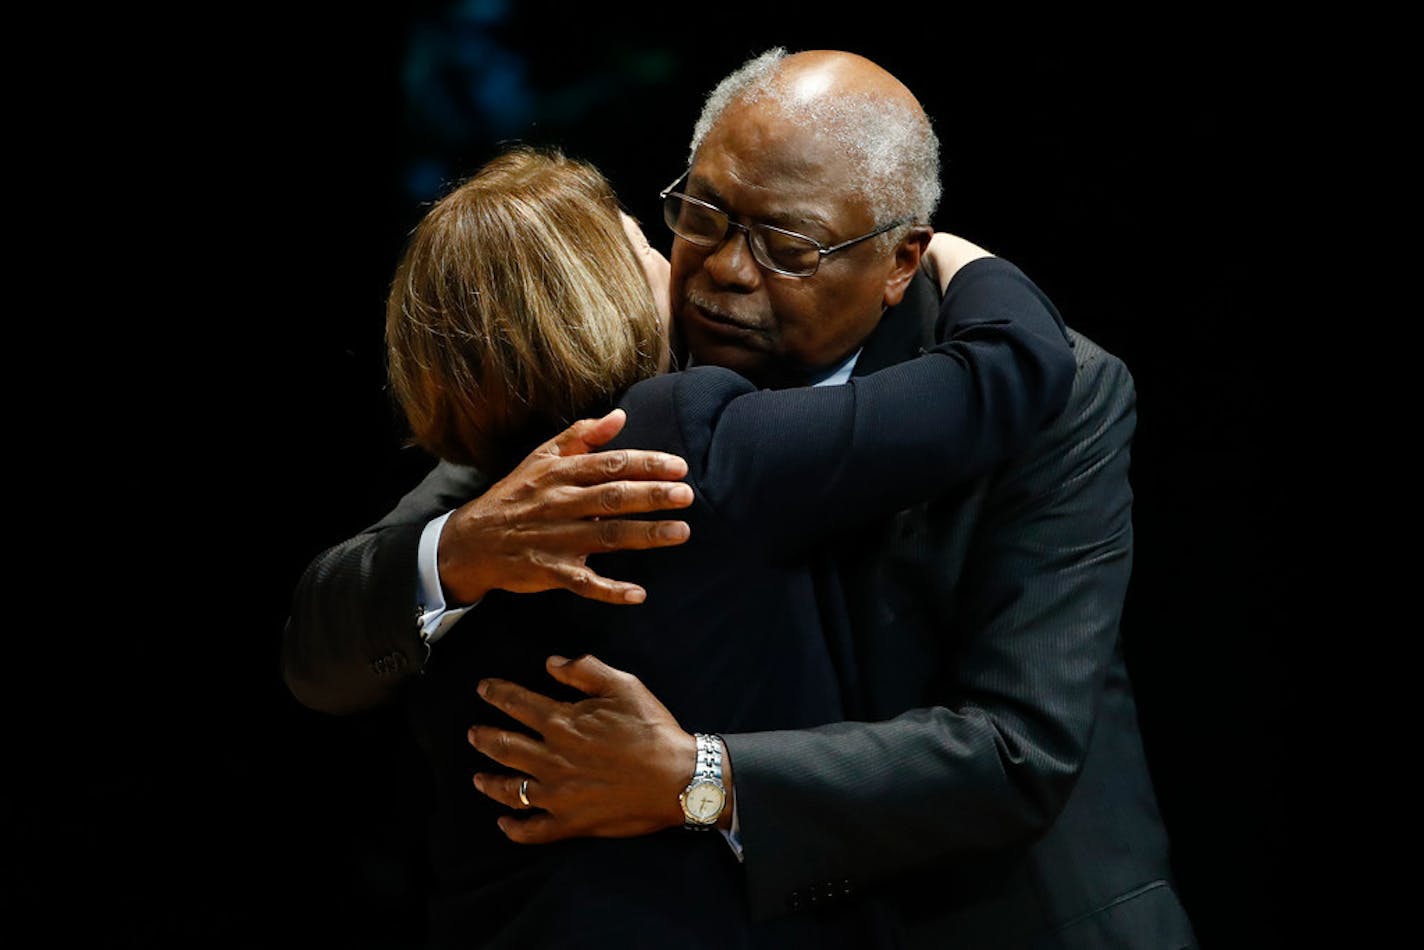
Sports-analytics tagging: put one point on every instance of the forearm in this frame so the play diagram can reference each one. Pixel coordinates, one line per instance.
(862, 802)
(791, 466)
(989, 768)
(1025, 634)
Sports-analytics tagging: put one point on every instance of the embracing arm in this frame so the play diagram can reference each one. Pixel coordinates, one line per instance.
(791, 466)
(989, 761)
(353, 635)
(1039, 605)
(782, 466)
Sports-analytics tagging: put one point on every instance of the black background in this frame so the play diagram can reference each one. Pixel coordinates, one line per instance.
(193, 798)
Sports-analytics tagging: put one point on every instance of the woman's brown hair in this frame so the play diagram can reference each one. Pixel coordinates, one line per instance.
(517, 307)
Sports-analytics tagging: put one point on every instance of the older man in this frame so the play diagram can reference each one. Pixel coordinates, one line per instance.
(991, 790)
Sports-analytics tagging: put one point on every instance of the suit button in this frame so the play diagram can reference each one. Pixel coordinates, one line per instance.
(793, 900)
(845, 888)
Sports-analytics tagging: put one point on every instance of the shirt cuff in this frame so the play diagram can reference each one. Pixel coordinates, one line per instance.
(734, 837)
(435, 616)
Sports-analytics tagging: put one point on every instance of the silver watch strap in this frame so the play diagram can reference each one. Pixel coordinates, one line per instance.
(709, 758)
(708, 768)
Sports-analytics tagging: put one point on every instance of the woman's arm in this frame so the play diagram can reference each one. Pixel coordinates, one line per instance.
(945, 255)
(791, 466)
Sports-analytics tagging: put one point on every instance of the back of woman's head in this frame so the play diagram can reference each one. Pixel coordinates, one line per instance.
(518, 306)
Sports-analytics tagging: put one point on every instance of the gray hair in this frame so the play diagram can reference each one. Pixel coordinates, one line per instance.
(893, 148)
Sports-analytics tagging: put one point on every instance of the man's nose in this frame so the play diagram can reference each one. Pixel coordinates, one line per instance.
(731, 264)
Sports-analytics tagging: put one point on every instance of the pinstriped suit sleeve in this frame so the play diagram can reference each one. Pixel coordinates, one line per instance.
(1035, 625)
(352, 636)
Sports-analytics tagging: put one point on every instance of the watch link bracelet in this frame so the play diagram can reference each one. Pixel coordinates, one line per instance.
(705, 796)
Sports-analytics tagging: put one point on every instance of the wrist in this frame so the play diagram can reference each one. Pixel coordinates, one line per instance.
(460, 585)
(683, 757)
(946, 256)
(725, 821)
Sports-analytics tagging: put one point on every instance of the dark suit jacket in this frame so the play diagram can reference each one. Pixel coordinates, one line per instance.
(997, 795)
(734, 634)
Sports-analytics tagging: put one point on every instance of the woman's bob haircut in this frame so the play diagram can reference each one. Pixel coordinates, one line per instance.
(518, 306)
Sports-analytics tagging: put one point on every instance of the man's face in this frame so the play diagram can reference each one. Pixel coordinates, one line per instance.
(773, 329)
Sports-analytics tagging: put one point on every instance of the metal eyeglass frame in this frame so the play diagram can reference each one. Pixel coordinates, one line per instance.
(758, 247)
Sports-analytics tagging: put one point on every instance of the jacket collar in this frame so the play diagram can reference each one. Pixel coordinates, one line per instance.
(905, 330)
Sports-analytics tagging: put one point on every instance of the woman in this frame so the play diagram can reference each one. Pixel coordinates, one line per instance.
(521, 304)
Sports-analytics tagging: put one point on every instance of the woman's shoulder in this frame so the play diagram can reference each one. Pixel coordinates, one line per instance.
(680, 410)
(700, 391)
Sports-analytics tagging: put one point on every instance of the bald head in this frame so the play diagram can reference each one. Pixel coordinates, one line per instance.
(822, 74)
(862, 111)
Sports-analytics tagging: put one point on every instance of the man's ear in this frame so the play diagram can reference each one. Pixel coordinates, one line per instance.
(906, 262)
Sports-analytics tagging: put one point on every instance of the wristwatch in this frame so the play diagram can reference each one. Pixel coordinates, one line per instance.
(705, 796)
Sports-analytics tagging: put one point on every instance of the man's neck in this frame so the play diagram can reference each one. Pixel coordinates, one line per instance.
(827, 376)
(906, 329)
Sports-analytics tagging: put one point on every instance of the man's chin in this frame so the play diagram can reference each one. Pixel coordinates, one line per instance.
(756, 365)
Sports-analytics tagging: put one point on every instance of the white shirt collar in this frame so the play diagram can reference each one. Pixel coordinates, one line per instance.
(841, 374)
(837, 376)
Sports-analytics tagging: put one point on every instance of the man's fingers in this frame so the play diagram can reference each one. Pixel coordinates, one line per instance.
(505, 789)
(626, 498)
(575, 539)
(587, 674)
(614, 499)
(579, 578)
(522, 705)
(586, 435)
(597, 468)
(633, 535)
(594, 537)
(510, 749)
(560, 561)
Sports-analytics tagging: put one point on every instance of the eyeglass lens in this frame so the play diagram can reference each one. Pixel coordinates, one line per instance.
(706, 227)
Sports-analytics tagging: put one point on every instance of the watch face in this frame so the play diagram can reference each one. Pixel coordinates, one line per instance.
(703, 802)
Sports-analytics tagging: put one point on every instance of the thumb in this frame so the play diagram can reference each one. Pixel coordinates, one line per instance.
(587, 674)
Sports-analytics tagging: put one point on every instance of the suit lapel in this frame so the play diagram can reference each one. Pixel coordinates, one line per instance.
(904, 331)
(899, 575)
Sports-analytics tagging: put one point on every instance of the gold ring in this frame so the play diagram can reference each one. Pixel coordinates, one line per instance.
(524, 793)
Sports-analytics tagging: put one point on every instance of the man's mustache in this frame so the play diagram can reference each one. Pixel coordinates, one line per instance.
(720, 310)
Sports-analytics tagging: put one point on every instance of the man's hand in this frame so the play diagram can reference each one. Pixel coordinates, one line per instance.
(534, 528)
(611, 766)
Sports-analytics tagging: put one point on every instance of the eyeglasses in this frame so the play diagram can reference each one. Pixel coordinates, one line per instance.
(776, 249)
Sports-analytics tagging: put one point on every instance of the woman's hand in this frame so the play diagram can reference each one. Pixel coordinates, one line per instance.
(946, 255)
